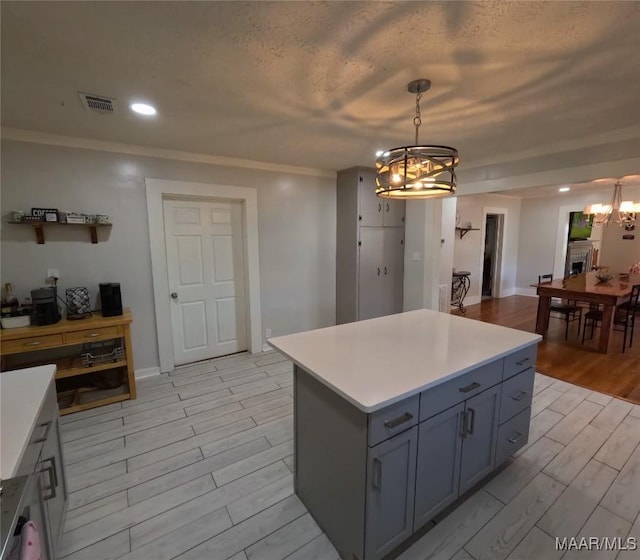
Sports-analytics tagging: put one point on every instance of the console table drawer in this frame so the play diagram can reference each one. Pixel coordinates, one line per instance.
(450, 393)
(104, 333)
(516, 394)
(393, 419)
(31, 343)
(513, 435)
(519, 361)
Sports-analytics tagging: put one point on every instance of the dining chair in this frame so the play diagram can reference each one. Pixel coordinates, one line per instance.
(624, 319)
(569, 311)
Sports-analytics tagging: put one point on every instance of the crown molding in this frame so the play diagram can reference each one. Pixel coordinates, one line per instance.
(36, 137)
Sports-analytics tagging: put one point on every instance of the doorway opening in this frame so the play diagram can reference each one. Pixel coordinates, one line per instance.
(491, 261)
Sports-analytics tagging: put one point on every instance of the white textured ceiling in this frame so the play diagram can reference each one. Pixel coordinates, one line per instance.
(323, 84)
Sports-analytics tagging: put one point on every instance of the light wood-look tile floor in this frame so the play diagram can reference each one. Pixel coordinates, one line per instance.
(200, 467)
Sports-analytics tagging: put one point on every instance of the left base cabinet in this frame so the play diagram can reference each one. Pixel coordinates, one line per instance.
(40, 491)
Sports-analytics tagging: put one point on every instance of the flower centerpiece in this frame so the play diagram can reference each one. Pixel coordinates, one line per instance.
(634, 269)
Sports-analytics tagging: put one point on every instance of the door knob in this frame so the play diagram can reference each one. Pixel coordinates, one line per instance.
(174, 295)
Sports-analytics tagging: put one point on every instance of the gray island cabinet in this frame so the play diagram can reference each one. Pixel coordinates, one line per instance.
(396, 417)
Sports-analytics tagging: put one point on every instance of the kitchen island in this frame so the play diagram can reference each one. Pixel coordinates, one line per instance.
(31, 465)
(396, 417)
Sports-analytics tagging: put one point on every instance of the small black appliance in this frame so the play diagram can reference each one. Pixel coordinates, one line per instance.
(111, 299)
(45, 306)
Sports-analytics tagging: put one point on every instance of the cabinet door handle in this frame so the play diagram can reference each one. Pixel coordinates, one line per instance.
(521, 395)
(398, 421)
(385, 270)
(515, 438)
(468, 388)
(472, 423)
(387, 206)
(52, 475)
(376, 482)
(463, 424)
(379, 207)
(522, 362)
(34, 343)
(378, 271)
(47, 427)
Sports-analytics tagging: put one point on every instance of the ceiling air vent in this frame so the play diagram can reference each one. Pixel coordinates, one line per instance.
(98, 103)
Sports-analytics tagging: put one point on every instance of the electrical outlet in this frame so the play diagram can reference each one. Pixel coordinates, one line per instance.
(267, 333)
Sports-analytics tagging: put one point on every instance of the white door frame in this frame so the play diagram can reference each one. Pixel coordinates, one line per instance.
(497, 289)
(159, 189)
(562, 236)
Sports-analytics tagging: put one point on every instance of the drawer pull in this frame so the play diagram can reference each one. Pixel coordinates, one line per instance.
(34, 343)
(398, 421)
(522, 362)
(468, 388)
(521, 395)
(376, 483)
(92, 335)
(47, 427)
(515, 438)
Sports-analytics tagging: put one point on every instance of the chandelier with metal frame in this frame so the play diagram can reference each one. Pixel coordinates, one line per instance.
(418, 171)
(618, 211)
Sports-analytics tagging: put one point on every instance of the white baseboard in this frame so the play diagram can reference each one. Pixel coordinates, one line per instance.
(147, 372)
(472, 300)
(531, 292)
(508, 292)
(266, 347)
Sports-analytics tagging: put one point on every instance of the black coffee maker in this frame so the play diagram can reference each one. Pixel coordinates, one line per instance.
(45, 306)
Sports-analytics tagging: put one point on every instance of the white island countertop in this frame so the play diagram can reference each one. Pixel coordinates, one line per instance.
(378, 362)
(22, 394)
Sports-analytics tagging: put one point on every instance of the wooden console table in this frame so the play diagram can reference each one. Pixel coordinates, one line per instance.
(36, 340)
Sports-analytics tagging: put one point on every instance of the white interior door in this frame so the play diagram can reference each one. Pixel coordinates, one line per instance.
(205, 265)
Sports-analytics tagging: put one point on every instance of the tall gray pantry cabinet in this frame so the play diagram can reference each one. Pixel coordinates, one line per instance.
(370, 249)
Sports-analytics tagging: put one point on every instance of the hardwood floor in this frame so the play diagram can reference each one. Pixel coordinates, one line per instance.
(199, 467)
(615, 374)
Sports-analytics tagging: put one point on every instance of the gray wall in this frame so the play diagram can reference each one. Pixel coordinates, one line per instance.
(539, 226)
(469, 250)
(297, 232)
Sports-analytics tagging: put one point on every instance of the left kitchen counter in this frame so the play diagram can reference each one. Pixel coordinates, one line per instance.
(30, 448)
(87, 377)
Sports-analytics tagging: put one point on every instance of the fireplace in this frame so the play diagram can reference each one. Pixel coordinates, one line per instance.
(579, 257)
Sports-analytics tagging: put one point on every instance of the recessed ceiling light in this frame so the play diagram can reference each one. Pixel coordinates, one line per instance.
(143, 109)
(564, 189)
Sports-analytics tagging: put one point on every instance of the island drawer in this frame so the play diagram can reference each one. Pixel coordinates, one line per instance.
(519, 361)
(516, 394)
(32, 343)
(393, 419)
(450, 393)
(513, 435)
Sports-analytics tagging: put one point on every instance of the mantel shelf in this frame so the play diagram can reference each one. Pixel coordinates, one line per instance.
(39, 229)
(463, 230)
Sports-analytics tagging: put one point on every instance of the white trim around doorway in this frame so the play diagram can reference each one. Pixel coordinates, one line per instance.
(159, 189)
(500, 290)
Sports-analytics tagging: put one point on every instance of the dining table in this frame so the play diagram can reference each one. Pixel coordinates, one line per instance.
(586, 288)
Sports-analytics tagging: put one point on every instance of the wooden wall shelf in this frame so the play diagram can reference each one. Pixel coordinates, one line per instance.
(463, 230)
(40, 226)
